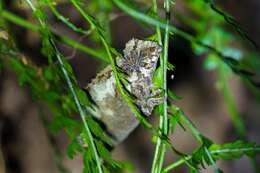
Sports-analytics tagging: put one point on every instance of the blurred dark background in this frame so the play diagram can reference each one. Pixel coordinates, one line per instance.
(25, 146)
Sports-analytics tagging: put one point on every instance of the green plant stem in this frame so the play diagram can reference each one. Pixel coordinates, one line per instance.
(233, 23)
(224, 87)
(152, 21)
(212, 161)
(104, 18)
(232, 109)
(165, 62)
(230, 102)
(19, 21)
(93, 52)
(120, 87)
(58, 155)
(163, 122)
(82, 115)
(176, 164)
(213, 152)
(66, 20)
(82, 12)
(107, 48)
(159, 38)
(70, 42)
(162, 24)
(193, 129)
(199, 137)
(158, 30)
(73, 92)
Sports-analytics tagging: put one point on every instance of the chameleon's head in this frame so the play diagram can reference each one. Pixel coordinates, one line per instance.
(139, 55)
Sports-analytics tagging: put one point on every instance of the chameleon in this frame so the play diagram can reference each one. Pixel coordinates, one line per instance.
(139, 62)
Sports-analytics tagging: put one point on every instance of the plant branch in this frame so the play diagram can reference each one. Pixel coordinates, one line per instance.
(95, 26)
(162, 24)
(159, 39)
(163, 122)
(70, 42)
(73, 92)
(66, 20)
(212, 152)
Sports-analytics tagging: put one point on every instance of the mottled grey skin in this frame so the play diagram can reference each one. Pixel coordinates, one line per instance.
(110, 107)
(139, 62)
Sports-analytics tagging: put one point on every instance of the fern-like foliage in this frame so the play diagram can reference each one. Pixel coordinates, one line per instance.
(55, 84)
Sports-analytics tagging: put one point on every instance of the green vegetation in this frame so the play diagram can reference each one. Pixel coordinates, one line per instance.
(55, 84)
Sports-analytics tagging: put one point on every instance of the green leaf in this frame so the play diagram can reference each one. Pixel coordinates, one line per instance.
(117, 166)
(98, 131)
(226, 151)
(73, 148)
(173, 121)
(234, 150)
(48, 74)
(170, 66)
(211, 62)
(173, 95)
(89, 163)
(157, 77)
(153, 37)
(200, 156)
(61, 122)
(51, 96)
(83, 98)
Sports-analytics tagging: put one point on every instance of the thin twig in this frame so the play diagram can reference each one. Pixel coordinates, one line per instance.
(213, 152)
(73, 92)
(136, 112)
(163, 124)
(35, 28)
(159, 38)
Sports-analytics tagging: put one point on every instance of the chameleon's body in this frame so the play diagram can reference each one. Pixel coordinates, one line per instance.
(139, 62)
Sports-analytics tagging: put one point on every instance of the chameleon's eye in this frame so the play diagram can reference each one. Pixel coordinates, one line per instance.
(152, 49)
(147, 65)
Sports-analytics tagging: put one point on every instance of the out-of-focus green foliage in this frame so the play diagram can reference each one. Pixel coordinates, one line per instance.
(56, 86)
